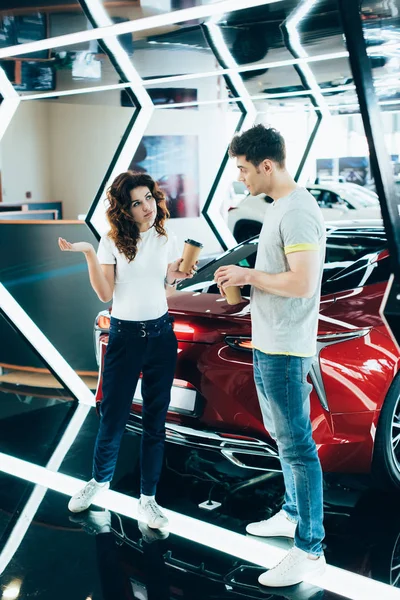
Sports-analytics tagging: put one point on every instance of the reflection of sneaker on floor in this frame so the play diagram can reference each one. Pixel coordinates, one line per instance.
(94, 521)
(277, 526)
(292, 569)
(303, 591)
(84, 498)
(150, 513)
(151, 535)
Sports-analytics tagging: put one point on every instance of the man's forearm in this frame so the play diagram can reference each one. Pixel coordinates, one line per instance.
(287, 284)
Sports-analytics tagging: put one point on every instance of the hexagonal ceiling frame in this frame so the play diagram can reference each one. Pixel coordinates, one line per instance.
(107, 34)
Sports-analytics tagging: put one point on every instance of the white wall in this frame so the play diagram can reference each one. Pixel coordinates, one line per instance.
(83, 140)
(25, 164)
(214, 128)
(92, 131)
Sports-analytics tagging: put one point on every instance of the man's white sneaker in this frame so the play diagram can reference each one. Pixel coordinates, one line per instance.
(84, 498)
(151, 535)
(303, 591)
(277, 526)
(293, 569)
(150, 513)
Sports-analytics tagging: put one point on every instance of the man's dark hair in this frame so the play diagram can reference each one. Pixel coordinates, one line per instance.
(259, 143)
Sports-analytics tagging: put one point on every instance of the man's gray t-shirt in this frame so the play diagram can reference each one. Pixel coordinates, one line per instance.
(282, 325)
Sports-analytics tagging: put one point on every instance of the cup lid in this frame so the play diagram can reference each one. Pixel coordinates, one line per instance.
(194, 243)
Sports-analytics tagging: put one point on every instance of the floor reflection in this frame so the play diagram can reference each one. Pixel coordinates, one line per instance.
(137, 562)
(102, 555)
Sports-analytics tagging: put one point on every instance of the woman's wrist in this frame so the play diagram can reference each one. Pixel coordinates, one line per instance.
(90, 251)
(169, 283)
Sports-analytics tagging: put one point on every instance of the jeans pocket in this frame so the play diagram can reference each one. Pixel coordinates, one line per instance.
(306, 364)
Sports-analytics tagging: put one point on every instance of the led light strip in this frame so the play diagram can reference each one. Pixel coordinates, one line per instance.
(291, 25)
(39, 341)
(119, 86)
(75, 92)
(336, 580)
(257, 97)
(248, 68)
(191, 76)
(100, 16)
(178, 16)
(148, 83)
(214, 209)
(27, 514)
(102, 19)
(98, 219)
(11, 100)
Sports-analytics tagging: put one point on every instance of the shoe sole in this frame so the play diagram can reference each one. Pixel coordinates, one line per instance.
(155, 527)
(320, 571)
(79, 510)
(285, 535)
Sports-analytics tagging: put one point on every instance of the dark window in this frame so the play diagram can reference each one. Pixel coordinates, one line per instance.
(316, 194)
(328, 199)
(243, 255)
(361, 273)
(340, 247)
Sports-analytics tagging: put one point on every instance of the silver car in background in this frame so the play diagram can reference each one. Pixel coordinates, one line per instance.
(338, 201)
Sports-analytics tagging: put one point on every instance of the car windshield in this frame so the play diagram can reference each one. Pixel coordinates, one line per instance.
(365, 197)
(243, 255)
(343, 249)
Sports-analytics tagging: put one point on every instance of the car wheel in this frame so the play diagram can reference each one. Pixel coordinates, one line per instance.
(245, 230)
(386, 458)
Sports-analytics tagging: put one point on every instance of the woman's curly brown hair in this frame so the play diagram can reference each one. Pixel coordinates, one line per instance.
(124, 231)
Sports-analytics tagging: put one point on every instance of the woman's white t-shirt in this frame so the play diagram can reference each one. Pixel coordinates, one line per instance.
(139, 290)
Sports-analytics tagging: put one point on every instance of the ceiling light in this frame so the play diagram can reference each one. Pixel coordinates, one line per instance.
(178, 16)
(193, 76)
(291, 24)
(10, 102)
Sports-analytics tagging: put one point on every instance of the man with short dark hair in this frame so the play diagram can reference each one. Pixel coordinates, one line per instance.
(285, 297)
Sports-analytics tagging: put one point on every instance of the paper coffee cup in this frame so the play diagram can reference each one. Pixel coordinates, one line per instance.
(191, 252)
(233, 295)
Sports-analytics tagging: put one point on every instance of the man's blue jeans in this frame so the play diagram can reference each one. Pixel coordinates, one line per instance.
(284, 396)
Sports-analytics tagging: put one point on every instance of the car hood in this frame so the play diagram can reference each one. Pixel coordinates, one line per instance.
(213, 317)
(208, 306)
(370, 212)
(207, 318)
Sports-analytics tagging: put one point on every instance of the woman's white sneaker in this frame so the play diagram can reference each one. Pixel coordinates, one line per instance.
(84, 498)
(293, 569)
(150, 513)
(277, 526)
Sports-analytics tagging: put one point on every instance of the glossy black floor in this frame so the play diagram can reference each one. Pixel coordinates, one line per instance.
(101, 555)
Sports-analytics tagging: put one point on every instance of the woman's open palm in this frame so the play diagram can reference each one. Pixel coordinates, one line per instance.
(76, 247)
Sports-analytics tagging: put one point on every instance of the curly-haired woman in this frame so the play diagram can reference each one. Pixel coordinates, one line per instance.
(135, 263)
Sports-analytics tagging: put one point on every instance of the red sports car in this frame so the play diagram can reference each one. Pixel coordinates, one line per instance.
(355, 408)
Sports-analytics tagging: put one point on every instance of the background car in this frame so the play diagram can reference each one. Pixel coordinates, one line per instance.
(355, 401)
(338, 201)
